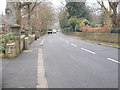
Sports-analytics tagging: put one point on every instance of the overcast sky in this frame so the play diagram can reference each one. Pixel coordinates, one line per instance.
(56, 3)
(2, 5)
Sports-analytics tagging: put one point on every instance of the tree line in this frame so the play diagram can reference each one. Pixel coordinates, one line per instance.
(78, 14)
(33, 16)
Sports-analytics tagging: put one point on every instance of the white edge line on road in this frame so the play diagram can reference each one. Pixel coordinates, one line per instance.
(42, 41)
(73, 45)
(88, 50)
(113, 60)
(41, 79)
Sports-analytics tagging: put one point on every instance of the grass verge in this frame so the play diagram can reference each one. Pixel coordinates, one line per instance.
(2, 55)
(95, 41)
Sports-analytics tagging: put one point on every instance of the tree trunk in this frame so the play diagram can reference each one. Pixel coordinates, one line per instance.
(28, 20)
(114, 18)
(18, 16)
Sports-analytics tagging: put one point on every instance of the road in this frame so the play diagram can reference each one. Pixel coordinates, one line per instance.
(59, 61)
(74, 63)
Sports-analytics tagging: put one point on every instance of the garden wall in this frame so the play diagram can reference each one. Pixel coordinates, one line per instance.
(13, 48)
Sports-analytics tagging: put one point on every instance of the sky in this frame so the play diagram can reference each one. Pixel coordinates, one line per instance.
(56, 3)
(2, 5)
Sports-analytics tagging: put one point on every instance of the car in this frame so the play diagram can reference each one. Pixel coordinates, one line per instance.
(54, 31)
(50, 31)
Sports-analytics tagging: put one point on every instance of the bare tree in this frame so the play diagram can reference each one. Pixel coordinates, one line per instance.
(29, 8)
(113, 14)
(43, 16)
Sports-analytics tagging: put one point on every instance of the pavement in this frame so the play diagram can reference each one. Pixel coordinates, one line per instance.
(67, 63)
(21, 72)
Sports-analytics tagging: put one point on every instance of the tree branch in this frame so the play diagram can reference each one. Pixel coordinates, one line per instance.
(24, 4)
(102, 5)
(35, 4)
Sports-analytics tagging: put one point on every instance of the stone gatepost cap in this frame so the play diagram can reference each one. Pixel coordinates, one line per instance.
(15, 26)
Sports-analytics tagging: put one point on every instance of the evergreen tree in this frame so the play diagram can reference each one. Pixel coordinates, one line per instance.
(77, 9)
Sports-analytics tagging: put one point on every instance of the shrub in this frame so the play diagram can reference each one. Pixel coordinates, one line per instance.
(23, 32)
(117, 30)
(92, 25)
(95, 29)
(5, 38)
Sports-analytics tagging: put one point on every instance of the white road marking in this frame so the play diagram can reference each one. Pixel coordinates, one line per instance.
(73, 45)
(41, 79)
(42, 42)
(88, 50)
(113, 60)
(67, 42)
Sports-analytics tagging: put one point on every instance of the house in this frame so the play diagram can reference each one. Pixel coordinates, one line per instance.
(3, 23)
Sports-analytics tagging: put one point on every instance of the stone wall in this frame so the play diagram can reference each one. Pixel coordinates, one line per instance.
(13, 48)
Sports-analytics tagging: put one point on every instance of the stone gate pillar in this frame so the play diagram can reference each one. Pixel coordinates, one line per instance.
(10, 13)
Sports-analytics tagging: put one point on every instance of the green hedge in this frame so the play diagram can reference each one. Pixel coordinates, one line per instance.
(117, 30)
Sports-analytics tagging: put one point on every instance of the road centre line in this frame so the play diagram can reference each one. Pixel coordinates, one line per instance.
(73, 45)
(88, 50)
(110, 59)
(42, 41)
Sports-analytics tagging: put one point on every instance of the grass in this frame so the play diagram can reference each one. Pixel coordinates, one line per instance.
(2, 55)
(105, 43)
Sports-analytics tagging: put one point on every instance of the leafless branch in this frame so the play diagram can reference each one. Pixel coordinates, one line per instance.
(35, 4)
